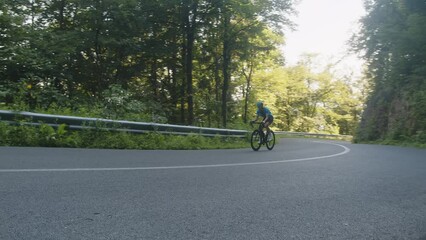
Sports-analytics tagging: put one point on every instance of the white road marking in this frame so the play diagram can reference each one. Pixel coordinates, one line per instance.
(345, 151)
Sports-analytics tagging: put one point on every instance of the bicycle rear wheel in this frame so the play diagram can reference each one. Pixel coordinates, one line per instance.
(255, 140)
(271, 143)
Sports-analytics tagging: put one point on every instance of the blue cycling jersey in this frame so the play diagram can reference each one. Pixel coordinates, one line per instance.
(264, 112)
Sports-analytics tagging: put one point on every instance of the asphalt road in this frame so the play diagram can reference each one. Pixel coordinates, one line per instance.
(301, 190)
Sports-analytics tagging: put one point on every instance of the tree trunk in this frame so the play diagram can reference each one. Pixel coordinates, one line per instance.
(226, 66)
(174, 89)
(247, 91)
(154, 81)
(190, 16)
(61, 16)
(217, 87)
(188, 73)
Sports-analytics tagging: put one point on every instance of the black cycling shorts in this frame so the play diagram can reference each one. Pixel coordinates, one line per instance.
(270, 120)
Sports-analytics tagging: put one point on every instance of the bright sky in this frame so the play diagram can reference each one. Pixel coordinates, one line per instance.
(324, 27)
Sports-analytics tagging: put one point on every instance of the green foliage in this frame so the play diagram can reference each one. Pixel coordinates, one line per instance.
(4, 133)
(305, 100)
(121, 104)
(187, 62)
(22, 136)
(47, 136)
(393, 38)
(160, 60)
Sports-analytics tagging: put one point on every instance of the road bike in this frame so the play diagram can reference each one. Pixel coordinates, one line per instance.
(259, 137)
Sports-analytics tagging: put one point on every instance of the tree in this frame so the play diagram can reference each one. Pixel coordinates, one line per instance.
(393, 41)
(305, 100)
(182, 59)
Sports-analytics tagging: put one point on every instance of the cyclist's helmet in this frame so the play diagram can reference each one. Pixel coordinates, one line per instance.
(259, 104)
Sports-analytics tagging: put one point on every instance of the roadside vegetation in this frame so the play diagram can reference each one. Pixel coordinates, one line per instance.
(406, 143)
(47, 136)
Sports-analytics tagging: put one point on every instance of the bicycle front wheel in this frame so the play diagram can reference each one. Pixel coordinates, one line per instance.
(255, 140)
(271, 142)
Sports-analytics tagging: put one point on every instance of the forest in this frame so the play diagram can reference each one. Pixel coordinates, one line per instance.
(393, 43)
(207, 62)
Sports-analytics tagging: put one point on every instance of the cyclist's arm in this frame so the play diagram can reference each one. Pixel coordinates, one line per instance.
(257, 117)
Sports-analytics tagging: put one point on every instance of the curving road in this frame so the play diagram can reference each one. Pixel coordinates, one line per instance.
(303, 189)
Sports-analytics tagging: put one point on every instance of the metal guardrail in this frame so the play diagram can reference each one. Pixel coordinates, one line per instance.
(79, 123)
(304, 134)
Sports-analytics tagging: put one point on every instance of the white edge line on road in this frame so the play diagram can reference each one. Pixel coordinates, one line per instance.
(346, 150)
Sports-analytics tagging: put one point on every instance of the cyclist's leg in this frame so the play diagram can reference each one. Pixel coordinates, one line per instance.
(267, 124)
(261, 137)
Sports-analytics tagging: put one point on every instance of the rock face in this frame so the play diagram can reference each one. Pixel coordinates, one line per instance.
(395, 114)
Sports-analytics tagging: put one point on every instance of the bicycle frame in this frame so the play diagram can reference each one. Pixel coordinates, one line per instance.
(263, 136)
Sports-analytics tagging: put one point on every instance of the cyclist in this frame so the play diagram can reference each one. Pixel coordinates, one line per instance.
(268, 119)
